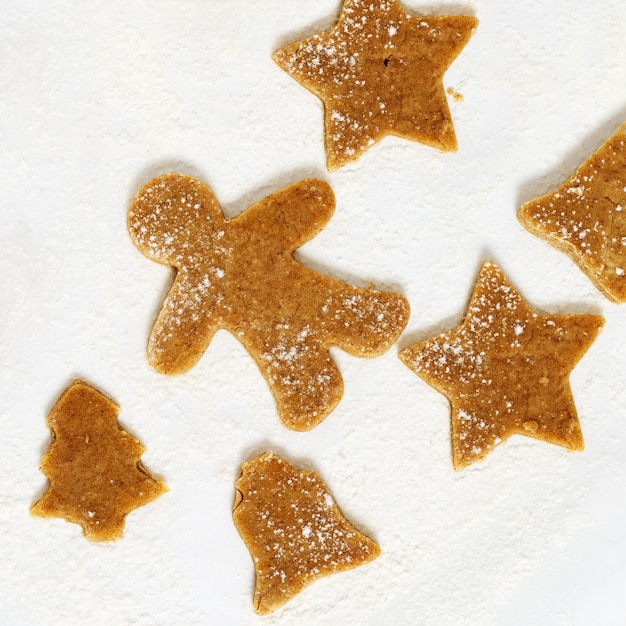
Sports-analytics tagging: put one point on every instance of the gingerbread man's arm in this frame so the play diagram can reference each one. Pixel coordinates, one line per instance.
(364, 322)
(183, 329)
(288, 218)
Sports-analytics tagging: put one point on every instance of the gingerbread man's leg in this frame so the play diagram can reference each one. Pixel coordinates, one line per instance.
(364, 322)
(304, 380)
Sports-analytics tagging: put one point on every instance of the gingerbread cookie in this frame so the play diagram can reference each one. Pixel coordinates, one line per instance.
(586, 217)
(505, 370)
(240, 275)
(96, 476)
(293, 529)
(379, 71)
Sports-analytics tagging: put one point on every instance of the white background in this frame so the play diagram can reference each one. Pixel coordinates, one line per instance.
(96, 101)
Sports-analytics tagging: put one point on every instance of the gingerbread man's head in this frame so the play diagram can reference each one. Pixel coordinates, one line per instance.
(173, 218)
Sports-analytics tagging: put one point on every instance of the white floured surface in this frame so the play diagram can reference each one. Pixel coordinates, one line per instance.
(93, 103)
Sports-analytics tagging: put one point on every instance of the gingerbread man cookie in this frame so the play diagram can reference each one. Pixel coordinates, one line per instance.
(240, 275)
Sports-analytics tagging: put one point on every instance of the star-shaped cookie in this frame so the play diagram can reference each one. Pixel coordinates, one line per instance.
(505, 370)
(586, 217)
(379, 71)
(293, 529)
(96, 476)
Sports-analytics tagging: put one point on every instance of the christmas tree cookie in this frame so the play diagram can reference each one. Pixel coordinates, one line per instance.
(93, 465)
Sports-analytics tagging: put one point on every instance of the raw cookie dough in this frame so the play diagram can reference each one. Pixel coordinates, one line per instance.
(293, 529)
(379, 71)
(586, 217)
(505, 370)
(96, 476)
(240, 275)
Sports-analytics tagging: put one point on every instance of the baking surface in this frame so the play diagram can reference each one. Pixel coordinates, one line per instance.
(94, 103)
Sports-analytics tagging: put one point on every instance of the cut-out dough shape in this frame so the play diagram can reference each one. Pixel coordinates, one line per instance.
(505, 370)
(240, 275)
(379, 71)
(586, 217)
(293, 529)
(93, 465)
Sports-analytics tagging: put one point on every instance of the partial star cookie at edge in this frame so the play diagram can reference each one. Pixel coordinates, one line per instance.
(586, 217)
(379, 71)
(505, 370)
